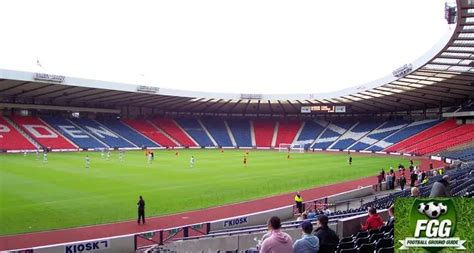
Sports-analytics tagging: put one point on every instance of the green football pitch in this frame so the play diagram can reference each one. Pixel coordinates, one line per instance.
(62, 193)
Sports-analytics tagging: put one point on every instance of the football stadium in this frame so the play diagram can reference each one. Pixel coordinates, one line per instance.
(216, 170)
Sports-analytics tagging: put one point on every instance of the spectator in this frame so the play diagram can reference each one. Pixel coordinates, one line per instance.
(415, 192)
(308, 242)
(413, 178)
(265, 236)
(374, 221)
(383, 174)
(311, 214)
(441, 188)
(391, 214)
(425, 181)
(394, 178)
(403, 182)
(380, 179)
(278, 242)
(328, 239)
(141, 210)
(299, 202)
(390, 179)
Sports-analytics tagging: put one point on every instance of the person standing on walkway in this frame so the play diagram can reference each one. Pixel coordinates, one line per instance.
(299, 202)
(141, 210)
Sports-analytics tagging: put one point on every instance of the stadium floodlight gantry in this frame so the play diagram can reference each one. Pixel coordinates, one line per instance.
(442, 77)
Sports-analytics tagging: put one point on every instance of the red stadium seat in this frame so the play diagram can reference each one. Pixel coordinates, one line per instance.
(150, 131)
(287, 132)
(263, 130)
(171, 128)
(12, 139)
(42, 133)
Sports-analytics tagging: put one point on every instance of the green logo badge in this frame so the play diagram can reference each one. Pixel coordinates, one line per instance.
(432, 225)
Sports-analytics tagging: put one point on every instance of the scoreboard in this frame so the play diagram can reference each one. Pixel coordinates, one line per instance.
(323, 108)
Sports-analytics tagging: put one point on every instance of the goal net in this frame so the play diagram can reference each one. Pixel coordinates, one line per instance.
(292, 148)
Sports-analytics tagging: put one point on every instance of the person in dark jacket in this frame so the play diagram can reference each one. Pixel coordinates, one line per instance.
(141, 210)
(413, 178)
(403, 182)
(328, 239)
(441, 188)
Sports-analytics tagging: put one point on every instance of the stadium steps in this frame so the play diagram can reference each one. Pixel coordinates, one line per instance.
(207, 132)
(410, 144)
(229, 132)
(169, 137)
(275, 134)
(17, 139)
(367, 134)
(252, 134)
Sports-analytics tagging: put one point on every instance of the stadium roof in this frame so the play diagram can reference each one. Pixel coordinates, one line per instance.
(442, 77)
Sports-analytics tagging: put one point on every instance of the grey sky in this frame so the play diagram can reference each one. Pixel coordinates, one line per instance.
(248, 46)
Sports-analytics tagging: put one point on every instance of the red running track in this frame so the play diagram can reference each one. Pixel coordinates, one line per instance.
(129, 227)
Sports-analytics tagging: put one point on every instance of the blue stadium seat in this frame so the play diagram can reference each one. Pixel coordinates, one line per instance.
(74, 133)
(408, 131)
(310, 132)
(103, 134)
(241, 131)
(128, 133)
(333, 131)
(195, 130)
(217, 129)
(356, 133)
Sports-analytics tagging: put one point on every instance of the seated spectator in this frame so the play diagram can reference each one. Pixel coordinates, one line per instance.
(265, 236)
(311, 214)
(308, 242)
(327, 211)
(374, 221)
(328, 239)
(278, 242)
(391, 213)
(441, 188)
(415, 192)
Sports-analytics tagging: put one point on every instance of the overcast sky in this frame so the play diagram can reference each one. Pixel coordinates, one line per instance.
(245, 46)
